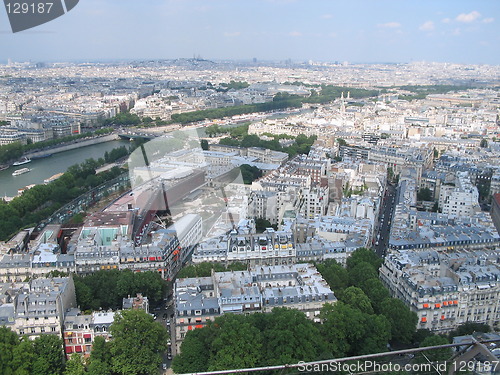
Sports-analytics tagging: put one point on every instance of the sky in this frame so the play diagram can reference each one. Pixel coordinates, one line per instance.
(356, 31)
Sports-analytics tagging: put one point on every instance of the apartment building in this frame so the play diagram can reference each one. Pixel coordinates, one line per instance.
(460, 199)
(189, 232)
(38, 306)
(245, 246)
(80, 330)
(446, 289)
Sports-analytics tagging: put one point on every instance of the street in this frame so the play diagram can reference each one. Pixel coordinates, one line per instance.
(384, 224)
(164, 316)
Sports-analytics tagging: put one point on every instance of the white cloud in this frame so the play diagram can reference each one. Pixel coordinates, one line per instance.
(232, 34)
(445, 20)
(389, 25)
(295, 33)
(468, 17)
(488, 20)
(332, 35)
(326, 16)
(427, 26)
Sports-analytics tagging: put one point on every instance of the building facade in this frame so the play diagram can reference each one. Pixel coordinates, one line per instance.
(446, 289)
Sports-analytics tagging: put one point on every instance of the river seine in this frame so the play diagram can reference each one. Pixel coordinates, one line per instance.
(42, 169)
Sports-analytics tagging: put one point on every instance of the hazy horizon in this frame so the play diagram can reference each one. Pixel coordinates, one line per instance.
(361, 31)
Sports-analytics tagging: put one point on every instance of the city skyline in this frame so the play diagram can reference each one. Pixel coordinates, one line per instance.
(362, 31)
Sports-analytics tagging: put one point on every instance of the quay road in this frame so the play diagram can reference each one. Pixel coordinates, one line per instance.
(383, 226)
(71, 146)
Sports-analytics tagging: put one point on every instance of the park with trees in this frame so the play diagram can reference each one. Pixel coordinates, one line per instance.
(302, 144)
(105, 289)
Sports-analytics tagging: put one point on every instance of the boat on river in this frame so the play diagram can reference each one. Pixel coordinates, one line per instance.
(21, 171)
(24, 160)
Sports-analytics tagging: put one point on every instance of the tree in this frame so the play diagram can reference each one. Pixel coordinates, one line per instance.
(212, 130)
(194, 355)
(483, 143)
(360, 273)
(377, 335)
(24, 357)
(364, 255)
(420, 335)
(376, 292)
(75, 366)
(49, 355)
(356, 298)
(334, 274)
(436, 354)
(106, 289)
(250, 173)
(435, 207)
(390, 173)
(262, 224)
(138, 343)
(403, 320)
(237, 343)
(204, 144)
(8, 342)
(289, 337)
(342, 327)
(468, 328)
(341, 142)
(100, 357)
(424, 194)
(98, 368)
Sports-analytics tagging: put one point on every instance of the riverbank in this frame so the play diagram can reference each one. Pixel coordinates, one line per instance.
(72, 146)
